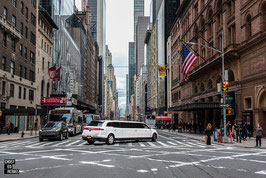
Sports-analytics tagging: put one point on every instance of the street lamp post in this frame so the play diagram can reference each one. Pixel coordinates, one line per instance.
(223, 79)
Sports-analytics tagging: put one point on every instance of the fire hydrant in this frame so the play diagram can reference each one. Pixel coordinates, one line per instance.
(22, 134)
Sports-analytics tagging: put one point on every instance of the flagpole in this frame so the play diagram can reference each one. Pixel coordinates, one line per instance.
(223, 79)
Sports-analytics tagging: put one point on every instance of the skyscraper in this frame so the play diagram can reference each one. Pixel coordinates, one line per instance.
(131, 67)
(138, 11)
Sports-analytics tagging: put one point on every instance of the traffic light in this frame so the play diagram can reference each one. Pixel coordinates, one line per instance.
(225, 86)
(229, 112)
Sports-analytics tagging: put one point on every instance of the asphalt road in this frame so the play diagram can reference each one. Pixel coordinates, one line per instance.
(170, 156)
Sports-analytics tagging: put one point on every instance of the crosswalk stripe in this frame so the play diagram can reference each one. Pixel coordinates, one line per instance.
(172, 143)
(181, 143)
(116, 144)
(194, 144)
(73, 143)
(14, 143)
(151, 144)
(130, 144)
(83, 143)
(47, 144)
(141, 144)
(36, 144)
(61, 143)
(162, 143)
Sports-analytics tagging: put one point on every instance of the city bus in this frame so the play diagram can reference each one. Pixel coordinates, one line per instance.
(71, 116)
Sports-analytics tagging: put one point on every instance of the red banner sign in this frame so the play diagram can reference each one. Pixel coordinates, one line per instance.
(53, 100)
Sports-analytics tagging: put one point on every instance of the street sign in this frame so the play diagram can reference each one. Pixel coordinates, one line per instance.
(229, 98)
(225, 105)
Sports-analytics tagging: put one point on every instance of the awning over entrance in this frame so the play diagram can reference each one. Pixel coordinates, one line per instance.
(163, 118)
(196, 106)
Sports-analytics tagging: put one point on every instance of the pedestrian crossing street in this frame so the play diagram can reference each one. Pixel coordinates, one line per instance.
(79, 143)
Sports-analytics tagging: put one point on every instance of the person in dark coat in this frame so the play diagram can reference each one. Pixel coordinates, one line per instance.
(208, 133)
(259, 133)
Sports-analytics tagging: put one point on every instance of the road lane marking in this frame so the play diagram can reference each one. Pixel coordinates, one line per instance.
(73, 143)
(36, 144)
(47, 144)
(61, 143)
(141, 144)
(151, 144)
(162, 143)
(181, 143)
(261, 172)
(83, 143)
(116, 144)
(171, 143)
(194, 144)
(130, 144)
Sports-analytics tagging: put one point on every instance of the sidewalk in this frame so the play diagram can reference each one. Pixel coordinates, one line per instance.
(17, 136)
(250, 143)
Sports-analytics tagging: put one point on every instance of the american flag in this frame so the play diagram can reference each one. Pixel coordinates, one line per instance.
(188, 59)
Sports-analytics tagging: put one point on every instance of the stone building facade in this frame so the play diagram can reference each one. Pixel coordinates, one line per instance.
(242, 24)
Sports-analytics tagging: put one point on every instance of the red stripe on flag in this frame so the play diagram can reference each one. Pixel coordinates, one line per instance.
(185, 62)
(189, 63)
(192, 64)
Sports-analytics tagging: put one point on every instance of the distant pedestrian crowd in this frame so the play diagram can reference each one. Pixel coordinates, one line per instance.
(236, 132)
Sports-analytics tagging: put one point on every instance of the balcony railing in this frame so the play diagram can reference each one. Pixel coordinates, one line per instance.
(9, 28)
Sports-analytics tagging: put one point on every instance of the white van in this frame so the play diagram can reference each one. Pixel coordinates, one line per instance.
(110, 131)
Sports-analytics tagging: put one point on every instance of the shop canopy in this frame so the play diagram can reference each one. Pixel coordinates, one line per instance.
(163, 118)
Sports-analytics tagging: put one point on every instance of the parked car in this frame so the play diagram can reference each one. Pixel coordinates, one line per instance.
(110, 131)
(54, 130)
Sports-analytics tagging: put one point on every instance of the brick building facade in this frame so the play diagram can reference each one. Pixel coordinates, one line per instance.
(243, 24)
(17, 54)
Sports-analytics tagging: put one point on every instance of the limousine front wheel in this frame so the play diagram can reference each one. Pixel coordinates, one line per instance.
(154, 137)
(110, 139)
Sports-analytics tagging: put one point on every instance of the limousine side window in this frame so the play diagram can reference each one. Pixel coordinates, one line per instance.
(95, 123)
(115, 124)
(145, 126)
(110, 124)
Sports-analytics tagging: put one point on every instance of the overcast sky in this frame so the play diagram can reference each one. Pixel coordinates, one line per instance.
(119, 31)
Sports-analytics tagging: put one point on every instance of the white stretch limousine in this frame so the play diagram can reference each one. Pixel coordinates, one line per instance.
(110, 131)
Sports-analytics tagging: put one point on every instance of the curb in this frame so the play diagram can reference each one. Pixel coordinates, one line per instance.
(18, 139)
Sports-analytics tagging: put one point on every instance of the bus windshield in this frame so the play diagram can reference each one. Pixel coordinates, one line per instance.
(61, 117)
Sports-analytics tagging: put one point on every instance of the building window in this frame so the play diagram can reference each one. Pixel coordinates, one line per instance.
(13, 45)
(248, 27)
(14, 21)
(32, 57)
(42, 88)
(3, 88)
(24, 94)
(3, 67)
(32, 38)
(43, 63)
(33, 3)
(26, 32)
(5, 39)
(12, 67)
(248, 103)
(22, 7)
(42, 43)
(21, 50)
(21, 28)
(5, 13)
(3, 106)
(48, 65)
(26, 52)
(31, 95)
(25, 72)
(263, 18)
(19, 92)
(48, 89)
(33, 20)
(32, 76)
(12, 90)
(27, 13)
(14, 3)
(20, 71)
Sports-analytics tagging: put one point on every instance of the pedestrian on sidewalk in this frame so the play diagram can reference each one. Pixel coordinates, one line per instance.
(208, 133)
(8, 128)
(259, 132)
